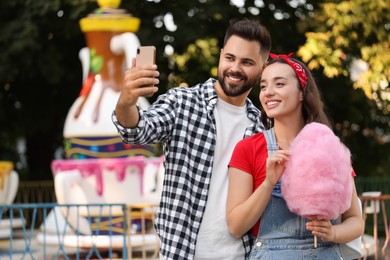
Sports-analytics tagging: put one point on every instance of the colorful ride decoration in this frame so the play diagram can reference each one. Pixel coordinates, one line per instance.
(99, 168)
(112, 43)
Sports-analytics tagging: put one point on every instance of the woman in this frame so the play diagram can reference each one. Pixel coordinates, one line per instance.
(290, 99)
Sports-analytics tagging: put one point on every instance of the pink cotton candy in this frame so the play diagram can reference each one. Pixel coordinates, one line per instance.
(318, 178)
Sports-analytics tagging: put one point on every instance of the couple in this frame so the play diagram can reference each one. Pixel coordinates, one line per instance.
(199, 128)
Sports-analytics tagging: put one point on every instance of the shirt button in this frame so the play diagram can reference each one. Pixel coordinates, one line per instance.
(259, 244)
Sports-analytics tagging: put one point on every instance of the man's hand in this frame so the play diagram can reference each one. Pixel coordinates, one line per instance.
(138, 81)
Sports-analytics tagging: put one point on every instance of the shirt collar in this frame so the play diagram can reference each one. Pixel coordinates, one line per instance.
(210, 93)
(212, 99)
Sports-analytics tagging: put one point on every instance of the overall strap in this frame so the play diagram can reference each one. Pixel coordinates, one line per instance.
(272, 147)
(271, 141)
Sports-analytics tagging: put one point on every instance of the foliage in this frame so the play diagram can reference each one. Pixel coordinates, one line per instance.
(350, 36)
(39, 77)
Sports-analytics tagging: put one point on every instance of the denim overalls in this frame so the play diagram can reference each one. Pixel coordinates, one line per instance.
(283, 234)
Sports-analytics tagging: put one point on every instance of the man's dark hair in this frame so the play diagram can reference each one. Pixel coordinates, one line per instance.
(251, 30)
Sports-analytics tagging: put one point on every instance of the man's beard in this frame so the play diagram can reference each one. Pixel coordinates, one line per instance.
(232, 89)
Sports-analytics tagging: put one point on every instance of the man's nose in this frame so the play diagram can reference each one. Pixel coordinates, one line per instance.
(236, 66)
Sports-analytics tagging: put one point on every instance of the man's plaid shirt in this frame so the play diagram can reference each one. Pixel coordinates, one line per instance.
(183, 121)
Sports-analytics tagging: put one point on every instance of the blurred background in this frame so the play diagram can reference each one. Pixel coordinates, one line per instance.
(345, 43)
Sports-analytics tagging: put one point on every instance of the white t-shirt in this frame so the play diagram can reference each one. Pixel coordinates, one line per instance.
(214, 240)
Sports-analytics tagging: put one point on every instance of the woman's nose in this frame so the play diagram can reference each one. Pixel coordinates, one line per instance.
(269, 90)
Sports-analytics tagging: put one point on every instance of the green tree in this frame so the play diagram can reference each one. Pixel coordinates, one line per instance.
(40, 76)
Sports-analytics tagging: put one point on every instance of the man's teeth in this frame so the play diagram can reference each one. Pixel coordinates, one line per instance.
(234, 78)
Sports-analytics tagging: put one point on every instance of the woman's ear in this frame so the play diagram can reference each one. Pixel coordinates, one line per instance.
(301, 96)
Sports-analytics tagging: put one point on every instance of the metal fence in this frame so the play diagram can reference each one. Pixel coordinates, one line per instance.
(84, 231)
(36, 227)
(35, 192)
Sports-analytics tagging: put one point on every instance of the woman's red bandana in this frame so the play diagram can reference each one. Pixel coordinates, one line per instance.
(299, 71)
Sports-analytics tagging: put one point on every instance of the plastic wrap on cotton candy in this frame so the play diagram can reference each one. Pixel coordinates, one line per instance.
(318, 178)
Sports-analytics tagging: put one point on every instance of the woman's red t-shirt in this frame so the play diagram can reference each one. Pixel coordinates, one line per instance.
(250, 156)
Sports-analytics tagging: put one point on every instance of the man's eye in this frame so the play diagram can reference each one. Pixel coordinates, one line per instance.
(229, 58)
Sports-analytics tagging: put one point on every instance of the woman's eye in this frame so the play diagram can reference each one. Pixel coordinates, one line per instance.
(279, 84)
(262, 87)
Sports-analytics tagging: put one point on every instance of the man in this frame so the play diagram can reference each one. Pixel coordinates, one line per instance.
(198, 127)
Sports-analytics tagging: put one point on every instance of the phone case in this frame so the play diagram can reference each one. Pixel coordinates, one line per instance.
(146, 55)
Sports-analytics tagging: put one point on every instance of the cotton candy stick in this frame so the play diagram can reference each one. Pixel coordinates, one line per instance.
(315, 237)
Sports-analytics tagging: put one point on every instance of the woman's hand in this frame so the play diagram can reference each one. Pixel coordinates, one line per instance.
(322, 228)
(275, 166)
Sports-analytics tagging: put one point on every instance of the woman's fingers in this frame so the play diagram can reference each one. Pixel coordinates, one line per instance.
(321, 228)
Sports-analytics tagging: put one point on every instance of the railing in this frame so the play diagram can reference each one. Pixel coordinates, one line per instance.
(85, 231)
(35, 206)
(35, 192)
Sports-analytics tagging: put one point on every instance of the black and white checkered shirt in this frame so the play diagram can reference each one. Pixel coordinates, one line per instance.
(183, 121)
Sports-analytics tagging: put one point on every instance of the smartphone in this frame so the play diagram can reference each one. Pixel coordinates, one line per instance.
(146, 55)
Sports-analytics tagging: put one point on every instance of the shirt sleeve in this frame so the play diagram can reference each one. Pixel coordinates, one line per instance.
(126, 134)
(154, 124)
(241, 157)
